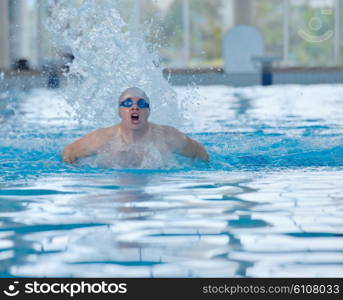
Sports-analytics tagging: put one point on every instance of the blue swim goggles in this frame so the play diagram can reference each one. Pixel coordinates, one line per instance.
(141, 103)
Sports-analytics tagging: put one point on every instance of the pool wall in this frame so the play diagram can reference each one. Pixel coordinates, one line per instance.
(217, 76)
(212, 76)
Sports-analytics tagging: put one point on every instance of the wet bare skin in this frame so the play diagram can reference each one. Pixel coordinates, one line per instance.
(114, 148)
(118, 151)
(133, 142)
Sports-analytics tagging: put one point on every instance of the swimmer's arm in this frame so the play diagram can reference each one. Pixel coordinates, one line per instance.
(184, 145)
(83, 147)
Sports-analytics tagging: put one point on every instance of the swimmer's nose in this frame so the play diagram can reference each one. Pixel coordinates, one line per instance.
(135, 106)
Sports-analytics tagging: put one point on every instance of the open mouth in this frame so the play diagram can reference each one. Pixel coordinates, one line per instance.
(134, 117)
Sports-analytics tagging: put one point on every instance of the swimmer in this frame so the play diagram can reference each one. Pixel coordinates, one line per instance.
(128, 142)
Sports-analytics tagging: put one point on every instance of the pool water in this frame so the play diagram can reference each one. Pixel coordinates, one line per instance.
(270, 203)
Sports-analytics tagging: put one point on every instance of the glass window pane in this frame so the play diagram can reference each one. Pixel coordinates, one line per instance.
(341, 32)
(169, 34)
(268, 18)
(206, 33)
(311, 32)
(206, 22)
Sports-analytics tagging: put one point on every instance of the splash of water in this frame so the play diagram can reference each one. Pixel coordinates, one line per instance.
(109, 58)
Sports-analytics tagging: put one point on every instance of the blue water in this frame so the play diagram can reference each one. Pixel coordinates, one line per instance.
(270, 203)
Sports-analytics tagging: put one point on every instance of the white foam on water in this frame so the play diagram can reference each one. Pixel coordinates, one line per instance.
(108, 59)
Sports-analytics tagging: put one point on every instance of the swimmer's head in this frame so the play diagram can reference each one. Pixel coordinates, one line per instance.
(133, 92)
(134, 114)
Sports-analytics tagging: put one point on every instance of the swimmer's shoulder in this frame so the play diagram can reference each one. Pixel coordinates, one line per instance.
(160, 130)
(104, 133)
(163, 128)
(170, 130)
(111, 132)
(170, 134)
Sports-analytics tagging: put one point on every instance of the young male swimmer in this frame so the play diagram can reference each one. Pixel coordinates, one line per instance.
(134, 139)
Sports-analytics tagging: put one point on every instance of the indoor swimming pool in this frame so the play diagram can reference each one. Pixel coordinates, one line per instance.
(269, 204)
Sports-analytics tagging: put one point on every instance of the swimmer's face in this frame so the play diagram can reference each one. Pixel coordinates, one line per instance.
(134, 117)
